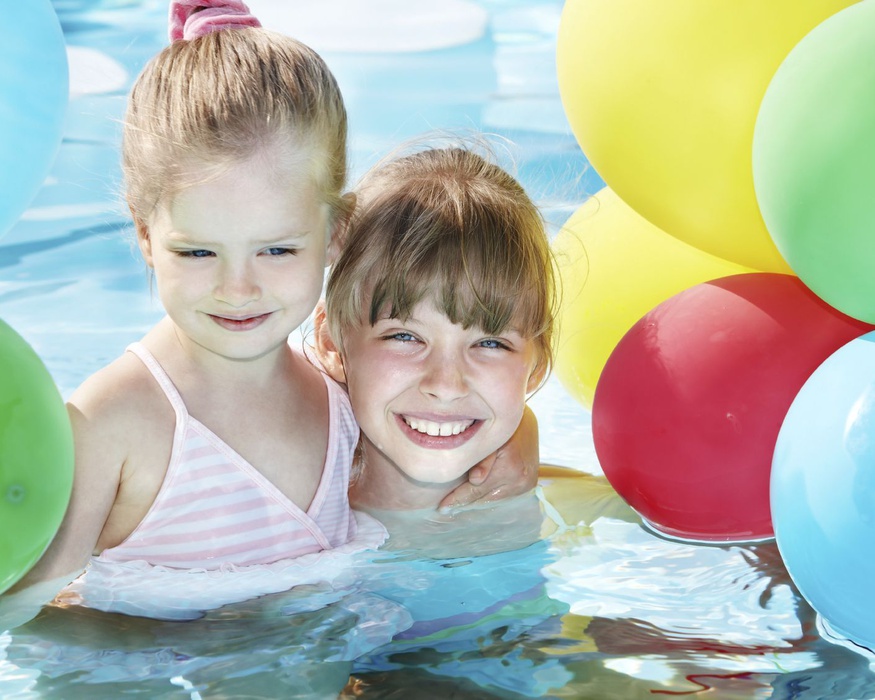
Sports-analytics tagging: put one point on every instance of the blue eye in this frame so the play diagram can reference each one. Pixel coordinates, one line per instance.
(402, 336)
(277, 252)
(194, 253)
(493, 344)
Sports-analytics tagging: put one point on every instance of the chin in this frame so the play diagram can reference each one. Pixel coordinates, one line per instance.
(438, 475)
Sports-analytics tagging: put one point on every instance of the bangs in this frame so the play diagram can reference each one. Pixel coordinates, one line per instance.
(447, 228)
(475, 278)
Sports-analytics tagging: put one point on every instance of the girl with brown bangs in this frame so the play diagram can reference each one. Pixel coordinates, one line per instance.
(438, 319)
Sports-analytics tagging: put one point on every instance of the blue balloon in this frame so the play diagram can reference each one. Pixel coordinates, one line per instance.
(34, 89)
(823, 490)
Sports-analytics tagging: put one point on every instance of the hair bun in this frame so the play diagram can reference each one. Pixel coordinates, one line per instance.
(190, 19)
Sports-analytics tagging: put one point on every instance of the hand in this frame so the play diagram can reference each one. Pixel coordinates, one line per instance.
(509, 471)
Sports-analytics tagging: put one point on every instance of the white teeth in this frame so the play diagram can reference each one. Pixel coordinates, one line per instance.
(430, 427)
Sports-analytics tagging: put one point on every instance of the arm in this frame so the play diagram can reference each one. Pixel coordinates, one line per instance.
(95, 484)
(510, 471)
(99, 455)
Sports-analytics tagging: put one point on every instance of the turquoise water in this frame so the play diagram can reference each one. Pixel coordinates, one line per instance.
(568, 596)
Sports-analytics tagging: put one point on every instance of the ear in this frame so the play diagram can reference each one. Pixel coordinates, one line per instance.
(144, 240)
(340, 228)
(326, 351)
(536, 378)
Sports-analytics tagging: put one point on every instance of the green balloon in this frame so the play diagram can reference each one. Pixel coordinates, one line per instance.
(36, 457)
(814, 160)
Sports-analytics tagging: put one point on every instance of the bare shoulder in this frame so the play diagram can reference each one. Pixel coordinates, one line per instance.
(120, 386)
(115, 399)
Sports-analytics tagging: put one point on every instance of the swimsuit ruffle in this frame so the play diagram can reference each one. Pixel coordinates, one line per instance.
(142, 589)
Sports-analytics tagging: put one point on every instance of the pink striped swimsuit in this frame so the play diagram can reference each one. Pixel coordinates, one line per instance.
(215, 509)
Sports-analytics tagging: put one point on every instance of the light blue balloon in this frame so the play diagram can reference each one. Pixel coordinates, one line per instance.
(34, 91)
(823, 490)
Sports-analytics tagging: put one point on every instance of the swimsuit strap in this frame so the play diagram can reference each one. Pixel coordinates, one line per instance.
(164, 381)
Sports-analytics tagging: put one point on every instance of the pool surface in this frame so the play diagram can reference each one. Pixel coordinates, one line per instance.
(563, 595)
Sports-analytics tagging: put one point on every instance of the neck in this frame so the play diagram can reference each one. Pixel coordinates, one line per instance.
(381, 484)
(176, 350)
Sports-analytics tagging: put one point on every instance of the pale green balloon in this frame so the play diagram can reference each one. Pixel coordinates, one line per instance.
(36, 457)
(814, 160)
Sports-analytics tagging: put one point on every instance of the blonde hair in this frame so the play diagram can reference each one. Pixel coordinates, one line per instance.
(446, 225)
(203, 105)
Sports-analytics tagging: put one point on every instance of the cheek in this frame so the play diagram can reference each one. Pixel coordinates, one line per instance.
(170, 278)
(373, 380)
(364, 392)
(507, 393)
(509, 382)
(300, 282)
(190, 284)
(369, 363)
(361, 407)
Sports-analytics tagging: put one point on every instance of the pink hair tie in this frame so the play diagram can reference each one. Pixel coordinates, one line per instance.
(190, 19)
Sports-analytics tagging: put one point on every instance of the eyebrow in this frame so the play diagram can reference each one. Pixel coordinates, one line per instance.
(291, 238)
(178, 237)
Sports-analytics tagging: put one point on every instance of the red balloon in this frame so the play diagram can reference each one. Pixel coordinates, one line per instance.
(688, 407)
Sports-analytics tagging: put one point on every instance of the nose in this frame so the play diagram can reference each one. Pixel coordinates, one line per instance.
(238, 284)
(444, 376)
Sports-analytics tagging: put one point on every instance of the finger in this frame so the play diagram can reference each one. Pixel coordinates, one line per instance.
(481, 471)
(477, 475)
(468, 494)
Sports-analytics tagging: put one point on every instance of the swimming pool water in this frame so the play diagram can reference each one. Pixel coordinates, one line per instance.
(576, 600)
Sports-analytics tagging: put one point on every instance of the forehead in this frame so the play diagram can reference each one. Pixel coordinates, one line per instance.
(252, 197)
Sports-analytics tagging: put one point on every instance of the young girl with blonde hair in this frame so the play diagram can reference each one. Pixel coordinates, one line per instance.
(211, 441)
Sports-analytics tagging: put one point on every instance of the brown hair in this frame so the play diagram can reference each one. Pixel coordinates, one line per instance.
(203, 105)
(445, 224)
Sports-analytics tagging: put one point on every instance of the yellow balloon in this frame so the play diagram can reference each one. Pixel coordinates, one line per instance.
(614, 267)
(663, 97)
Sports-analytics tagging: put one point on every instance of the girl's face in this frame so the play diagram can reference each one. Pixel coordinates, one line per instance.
(239, 260)
(432, 398)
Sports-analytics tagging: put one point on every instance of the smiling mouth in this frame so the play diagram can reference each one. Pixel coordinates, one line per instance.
(438, 429)
(240, 324)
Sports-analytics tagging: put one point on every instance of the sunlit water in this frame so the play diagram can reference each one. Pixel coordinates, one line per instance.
(566, 596)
